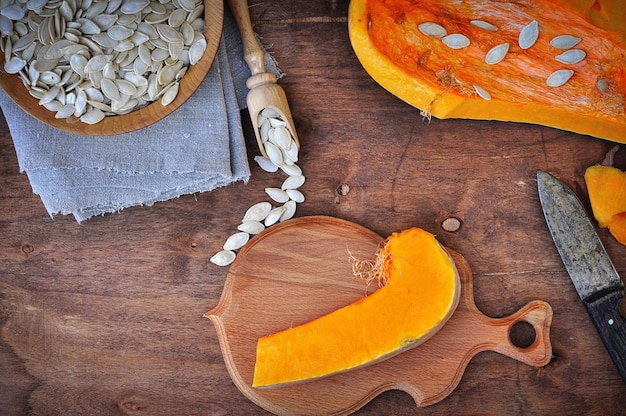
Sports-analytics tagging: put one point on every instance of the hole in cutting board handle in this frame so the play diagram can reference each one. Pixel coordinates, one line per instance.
(522, 334)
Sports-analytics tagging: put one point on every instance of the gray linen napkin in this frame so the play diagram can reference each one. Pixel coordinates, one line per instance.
(197, 148)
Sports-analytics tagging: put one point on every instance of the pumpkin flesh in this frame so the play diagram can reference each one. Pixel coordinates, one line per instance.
(421, 292)
(440, 81)
(606, 186)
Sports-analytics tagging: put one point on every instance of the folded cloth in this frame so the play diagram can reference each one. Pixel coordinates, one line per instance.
(197, 148)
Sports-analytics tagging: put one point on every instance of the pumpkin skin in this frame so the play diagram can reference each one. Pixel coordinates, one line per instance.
(422, 291)
(438, 80)
(606, 186)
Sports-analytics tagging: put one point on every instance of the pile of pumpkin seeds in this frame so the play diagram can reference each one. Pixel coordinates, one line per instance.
(93, 58)
(282, 150)
(527, 38)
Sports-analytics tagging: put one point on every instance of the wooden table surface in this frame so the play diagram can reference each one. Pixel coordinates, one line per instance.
(105, 317)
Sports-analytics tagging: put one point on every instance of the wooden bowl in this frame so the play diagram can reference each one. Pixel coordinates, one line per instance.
(111, 125)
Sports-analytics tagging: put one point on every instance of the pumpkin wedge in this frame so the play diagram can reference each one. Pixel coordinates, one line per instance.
(606, 186)
(499, 60)
(420, 293)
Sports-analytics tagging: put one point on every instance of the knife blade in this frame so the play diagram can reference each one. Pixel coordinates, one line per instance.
(588, 264)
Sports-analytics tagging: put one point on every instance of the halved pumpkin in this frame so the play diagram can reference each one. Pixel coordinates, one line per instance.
(444, 82)
(606, 186)
(421, 292)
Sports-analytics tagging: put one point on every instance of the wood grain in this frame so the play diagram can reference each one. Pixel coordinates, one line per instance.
(299, 270)
(214, 20)
(105, 317)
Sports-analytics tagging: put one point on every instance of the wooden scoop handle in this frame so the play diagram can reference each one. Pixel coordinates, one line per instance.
(253, 54)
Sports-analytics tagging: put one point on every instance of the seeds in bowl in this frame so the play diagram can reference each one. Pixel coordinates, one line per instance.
(88, 59)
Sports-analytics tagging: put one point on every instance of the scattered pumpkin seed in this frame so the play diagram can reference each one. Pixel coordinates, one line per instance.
(223, 258)
(529, 34)
(295, 195)
(293, 182)
(565, 41)
(257, 212)
(236, 241)
(432, 30)
(251, 227)
(274, 216)
(572, 56)
(559, 77)
(497, 53)
(289, 212)
(456, 41)
(277, 194)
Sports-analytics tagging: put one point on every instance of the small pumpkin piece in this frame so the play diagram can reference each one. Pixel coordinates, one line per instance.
(606, 186)
(421, 292)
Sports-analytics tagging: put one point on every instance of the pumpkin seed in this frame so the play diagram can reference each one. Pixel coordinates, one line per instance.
(497, 53)
(257, 212)
(265, 164)
(482, 93)
(565, 41)
(293, 182)
(277, 194)
(251, 227)
(484, 25)
(529, 34)
(432, 30)
(295, 195)
(572, 56)
(236, 241)
(559, 77)
(223, 258)
(99, 43)
(456, 41)
(274, 215)
(289, 212)
(291, 170)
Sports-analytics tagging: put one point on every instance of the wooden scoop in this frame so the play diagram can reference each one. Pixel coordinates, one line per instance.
(264, 91)
(300, 269)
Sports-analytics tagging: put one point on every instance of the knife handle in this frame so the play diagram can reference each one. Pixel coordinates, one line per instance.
(611, 326)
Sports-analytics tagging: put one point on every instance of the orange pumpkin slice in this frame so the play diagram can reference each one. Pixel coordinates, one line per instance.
(606, 186)
(421, 292)
(399, 45)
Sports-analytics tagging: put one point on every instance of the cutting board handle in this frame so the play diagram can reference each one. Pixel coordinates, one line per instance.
(536, 313)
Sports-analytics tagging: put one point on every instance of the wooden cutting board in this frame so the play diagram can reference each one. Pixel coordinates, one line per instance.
(298, 270)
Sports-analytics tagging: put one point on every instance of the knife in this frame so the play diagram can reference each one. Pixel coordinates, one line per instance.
(587, 263)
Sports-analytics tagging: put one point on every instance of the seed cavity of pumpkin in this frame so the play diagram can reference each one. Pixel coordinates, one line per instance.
(529, 34)
(572, 56)
(497, 53)
(484, 25)
(456, 41)
(432, 30)
(564, 41)
(559, 77)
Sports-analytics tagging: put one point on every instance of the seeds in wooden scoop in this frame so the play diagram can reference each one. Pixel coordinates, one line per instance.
(560, 77)
(282, 150)
(497, 53)
(529, 34)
